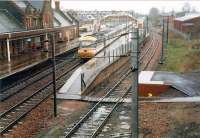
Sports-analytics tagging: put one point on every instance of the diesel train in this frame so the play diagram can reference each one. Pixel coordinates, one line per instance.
(90, 45)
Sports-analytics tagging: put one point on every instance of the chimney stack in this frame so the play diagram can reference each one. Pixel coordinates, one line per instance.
(57, 4)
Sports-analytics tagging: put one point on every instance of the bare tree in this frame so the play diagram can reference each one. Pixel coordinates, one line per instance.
(186, 7)
(154, 15)
(154, 12)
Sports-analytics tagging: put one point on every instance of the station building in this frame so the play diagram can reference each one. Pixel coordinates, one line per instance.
(188, 24)
(25, 25)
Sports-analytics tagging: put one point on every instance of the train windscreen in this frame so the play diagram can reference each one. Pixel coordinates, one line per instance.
(87, 44)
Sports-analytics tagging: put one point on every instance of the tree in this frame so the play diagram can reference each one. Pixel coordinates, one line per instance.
(154, 12)
(186, 8)
(154, 16)
(194, 10)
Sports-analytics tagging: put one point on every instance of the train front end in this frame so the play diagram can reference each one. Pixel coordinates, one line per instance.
(87, 49)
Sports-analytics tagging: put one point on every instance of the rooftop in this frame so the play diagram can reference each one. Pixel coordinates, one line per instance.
(60, 19)
(8, 23)
(188, 17)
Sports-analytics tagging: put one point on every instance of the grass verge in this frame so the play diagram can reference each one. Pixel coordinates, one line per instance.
(180, 57)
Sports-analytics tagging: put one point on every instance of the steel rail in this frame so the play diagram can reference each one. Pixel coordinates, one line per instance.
(152, 54)
(107, 117)
(97, 131)
(146, 51)
(38, 79)
(25, 79)
(15, 121)
(87, 115)
(100, 127)
(42, 75)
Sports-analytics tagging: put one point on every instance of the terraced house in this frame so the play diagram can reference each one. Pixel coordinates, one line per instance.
(25, 25)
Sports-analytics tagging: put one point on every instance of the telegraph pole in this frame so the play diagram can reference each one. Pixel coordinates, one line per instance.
(54, 74)
(167, 28)
(162, 50)
(147, 25)
(126, 37)
(134, 56)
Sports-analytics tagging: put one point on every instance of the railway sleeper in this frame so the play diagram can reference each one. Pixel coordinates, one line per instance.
(20, 109)
(86, 129)
(3, 124)
(102, 113)
(15, 126)
(102, 118)
(89, 125)
(8, 115)
(5, 119)
(82, 134)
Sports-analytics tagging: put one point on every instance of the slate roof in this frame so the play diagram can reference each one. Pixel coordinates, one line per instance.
(21, 4)
(188, 17)
(8, 23)
(38, 4)
(60, 19)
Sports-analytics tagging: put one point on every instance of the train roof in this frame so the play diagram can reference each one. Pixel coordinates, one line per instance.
(87, 38)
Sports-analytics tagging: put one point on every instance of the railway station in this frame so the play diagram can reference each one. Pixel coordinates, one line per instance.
(109, 70)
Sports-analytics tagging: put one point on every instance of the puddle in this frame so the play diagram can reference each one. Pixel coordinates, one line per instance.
(124, 125)
(100, 111)
(105, 129)
(124, 117)
(122, 112)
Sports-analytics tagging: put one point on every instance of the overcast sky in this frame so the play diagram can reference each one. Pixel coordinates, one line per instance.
(136, 5)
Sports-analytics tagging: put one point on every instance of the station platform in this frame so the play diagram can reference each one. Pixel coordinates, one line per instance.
(151, 83)
(29, 59)
(89, 71)
(129, 100)
(174, 100)
(94, 99)
(187, 83)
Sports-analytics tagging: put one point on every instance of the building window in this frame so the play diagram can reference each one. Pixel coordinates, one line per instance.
(28, 22)
(47, 20)
(35, 23)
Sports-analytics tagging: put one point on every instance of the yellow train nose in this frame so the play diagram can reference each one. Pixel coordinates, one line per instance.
(86, 53)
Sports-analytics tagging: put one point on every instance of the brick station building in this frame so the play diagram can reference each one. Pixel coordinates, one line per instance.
(25, 25)
(188, 24)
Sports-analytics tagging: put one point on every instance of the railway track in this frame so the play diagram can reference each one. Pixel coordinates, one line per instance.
(93, 121)
(28, 81)
(11, 117)
(91, 124)
(147, 56)
(147, 53)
